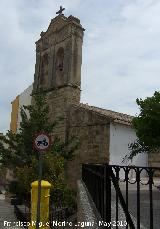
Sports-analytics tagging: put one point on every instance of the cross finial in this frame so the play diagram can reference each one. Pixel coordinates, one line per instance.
(60, 10)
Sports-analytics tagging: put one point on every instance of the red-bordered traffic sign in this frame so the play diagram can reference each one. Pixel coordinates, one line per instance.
(42, 141)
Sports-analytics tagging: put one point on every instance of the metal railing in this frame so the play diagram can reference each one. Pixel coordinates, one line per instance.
(57, 215)
(102, 180)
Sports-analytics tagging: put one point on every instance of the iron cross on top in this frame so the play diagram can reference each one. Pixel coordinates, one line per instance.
(60, 10)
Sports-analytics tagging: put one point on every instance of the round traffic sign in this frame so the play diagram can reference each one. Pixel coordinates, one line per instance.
(42, 141)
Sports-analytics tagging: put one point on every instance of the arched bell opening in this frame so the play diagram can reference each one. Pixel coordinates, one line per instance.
(60, 60)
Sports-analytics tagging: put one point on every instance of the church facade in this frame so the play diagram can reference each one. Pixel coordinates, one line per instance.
(103, 134)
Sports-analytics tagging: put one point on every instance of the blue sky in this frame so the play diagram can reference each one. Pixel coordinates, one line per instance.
(121, 49)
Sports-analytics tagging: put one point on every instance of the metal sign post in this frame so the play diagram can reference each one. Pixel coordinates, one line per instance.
(41, 143)
(39, 189)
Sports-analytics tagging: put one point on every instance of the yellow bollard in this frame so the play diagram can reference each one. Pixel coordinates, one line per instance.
(44, 210)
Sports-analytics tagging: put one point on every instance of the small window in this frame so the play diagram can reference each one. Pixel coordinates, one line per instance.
(60, 59)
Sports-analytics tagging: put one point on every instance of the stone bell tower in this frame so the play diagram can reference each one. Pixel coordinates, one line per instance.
(58, 64)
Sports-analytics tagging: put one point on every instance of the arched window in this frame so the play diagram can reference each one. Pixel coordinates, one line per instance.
(42, 73)
(44, 68)
(60, 59)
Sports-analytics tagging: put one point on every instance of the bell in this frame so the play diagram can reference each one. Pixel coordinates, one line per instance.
(61, 67)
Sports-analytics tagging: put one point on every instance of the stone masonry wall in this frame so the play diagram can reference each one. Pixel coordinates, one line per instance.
(58, 101)
(92, 131)
(154, 161)
(90, 128)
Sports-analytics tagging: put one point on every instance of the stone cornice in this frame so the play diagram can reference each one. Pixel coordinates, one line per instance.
(59, 87)
(58, 24)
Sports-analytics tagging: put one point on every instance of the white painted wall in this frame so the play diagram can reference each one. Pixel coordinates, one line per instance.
(24, 99)
(120, 137)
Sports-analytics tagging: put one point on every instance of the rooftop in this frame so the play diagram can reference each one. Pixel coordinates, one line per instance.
(112, 115)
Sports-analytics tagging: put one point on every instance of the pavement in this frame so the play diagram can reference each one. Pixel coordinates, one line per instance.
(7, 217)
(144, 204)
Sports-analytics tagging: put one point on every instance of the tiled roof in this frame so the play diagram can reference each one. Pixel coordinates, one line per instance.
(111, 115)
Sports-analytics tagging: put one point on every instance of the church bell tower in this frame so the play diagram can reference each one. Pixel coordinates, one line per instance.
(58, 63)
(59, 54)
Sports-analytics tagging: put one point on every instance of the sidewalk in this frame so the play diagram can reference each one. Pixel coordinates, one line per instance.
(144, 202)
(7, 214)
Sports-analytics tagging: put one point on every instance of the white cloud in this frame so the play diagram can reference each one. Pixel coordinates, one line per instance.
(126, 57)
